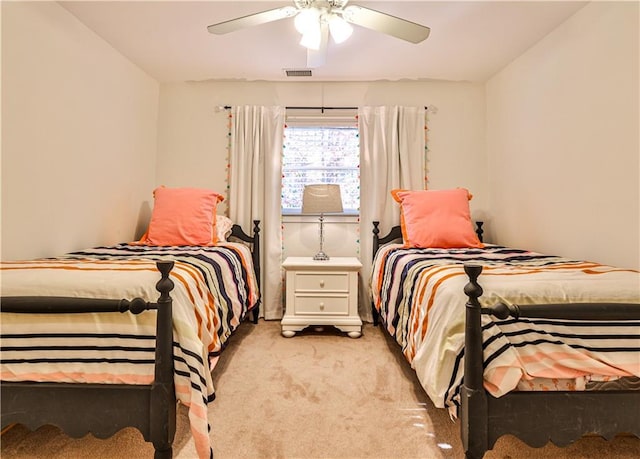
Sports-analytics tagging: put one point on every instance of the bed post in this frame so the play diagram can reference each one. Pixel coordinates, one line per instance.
(255, 254)
(474, 413)
(376, 243)
(376, 246)
(163, 396)
(479, 230)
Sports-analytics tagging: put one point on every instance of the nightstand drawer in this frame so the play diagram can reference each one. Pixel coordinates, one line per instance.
(321, 282)
(319, 305)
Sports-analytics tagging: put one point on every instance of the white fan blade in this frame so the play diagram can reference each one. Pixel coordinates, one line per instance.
(385, 23)
(317, 58)
(252, 20)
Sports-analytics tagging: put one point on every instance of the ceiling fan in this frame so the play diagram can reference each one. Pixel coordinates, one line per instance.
(316, 20)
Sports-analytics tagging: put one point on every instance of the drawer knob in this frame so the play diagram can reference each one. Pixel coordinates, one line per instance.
(322, 306)
(322, 283)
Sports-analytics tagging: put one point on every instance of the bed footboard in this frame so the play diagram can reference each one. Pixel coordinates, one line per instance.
(538, 417)
(101, 409)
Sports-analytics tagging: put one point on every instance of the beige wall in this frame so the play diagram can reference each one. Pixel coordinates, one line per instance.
(192, 138)
(549, 146)
(78, 135)
(562, 140)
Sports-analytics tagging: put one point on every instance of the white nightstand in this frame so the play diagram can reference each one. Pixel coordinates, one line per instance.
(322, 293)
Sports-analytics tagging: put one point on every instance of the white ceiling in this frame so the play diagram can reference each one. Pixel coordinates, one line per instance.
(469, 41)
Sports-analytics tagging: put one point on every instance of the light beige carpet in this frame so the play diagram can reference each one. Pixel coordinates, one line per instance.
(319, 394)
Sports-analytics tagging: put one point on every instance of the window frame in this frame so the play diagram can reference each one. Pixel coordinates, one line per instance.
(317, 118)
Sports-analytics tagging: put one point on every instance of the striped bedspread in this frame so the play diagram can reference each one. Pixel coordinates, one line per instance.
(215, 287)
(419, 295)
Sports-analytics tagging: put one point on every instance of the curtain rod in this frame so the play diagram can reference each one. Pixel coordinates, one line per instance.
(228, 107)
(321, 108)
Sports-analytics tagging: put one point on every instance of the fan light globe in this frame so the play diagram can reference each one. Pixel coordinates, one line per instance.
(307, 19)
(311, 39)
(339, 28)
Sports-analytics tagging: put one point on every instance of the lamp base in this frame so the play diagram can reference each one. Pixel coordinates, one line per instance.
(321, 256)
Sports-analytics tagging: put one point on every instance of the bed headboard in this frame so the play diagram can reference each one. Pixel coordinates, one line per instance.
(238, 233)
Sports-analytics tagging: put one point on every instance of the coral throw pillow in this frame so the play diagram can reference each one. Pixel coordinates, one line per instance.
(183, 216)
(436, 218)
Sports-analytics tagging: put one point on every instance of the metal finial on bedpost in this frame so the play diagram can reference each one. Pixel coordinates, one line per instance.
(474, 409)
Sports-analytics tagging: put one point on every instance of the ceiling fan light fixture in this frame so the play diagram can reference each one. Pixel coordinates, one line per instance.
(318, 20)
(340, 29)
(311, 39)
(307, 19)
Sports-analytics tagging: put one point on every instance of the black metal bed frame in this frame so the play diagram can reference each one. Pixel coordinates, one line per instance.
(104, 409)
(534, 417)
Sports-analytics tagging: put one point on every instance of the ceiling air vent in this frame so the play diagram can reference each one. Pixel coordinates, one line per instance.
(298, 72)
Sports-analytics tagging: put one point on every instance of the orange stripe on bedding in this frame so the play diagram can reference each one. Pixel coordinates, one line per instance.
(247, 267)
(184, 283)
(183, 389)
(434, 290)
(199, 421)
(75, 268)
(559, 355)
(79, 377)
(418, 322)
(383, 262)
(620, 270)
(585, 267)
(497, 376)
(210, 321)
(71, 261)
(588, 365)
(202, 443)
(199, 280)
(380, 277)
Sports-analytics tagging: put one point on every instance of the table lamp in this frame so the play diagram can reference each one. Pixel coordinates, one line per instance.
(321, 199)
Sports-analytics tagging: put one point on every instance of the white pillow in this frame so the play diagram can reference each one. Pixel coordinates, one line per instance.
(223, 227)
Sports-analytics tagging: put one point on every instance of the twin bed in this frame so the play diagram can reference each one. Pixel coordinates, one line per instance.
(82, 348)
(510, 341)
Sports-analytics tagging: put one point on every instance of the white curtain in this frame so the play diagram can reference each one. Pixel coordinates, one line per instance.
(392, 152)
(255, 186)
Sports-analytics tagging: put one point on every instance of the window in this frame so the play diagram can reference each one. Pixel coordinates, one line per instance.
(321, 154)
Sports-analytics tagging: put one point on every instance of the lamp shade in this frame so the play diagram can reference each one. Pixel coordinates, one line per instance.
(307, 19)
(339, 28)
(321, 199)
